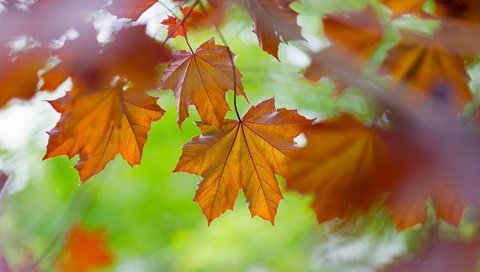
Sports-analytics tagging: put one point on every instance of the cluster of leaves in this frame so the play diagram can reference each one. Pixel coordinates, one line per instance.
(420, 146)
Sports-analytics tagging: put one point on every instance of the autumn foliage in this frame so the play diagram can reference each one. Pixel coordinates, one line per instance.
(420, 146)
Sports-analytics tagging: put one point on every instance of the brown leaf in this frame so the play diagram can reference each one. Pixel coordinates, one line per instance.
(84, 251)
(243, 155)
(421, 65)
(274, 22)
(348, 165)
(18, 77)
(102, 124)
(202, 78)
(341, 166)
(132, 55)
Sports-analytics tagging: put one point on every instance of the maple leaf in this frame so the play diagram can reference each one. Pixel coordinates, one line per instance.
(206, 16)
(244, 155)
(420, 65)
(179, 27)
(174, 29)
(130, 9)
(84, 251)
(348, 165)
(354, 37)
(100, 125)
(340, 166)
(202, 78)
(19, 77)
(274, 22)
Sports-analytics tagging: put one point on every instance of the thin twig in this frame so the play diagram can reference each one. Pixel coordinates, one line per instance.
(232, 62)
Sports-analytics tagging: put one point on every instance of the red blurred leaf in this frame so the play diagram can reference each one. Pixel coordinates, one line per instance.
(132, 55)
(18, 76)
(341, 165)
(348, 165)
(84, 251)
(245, 154)
(274, 22)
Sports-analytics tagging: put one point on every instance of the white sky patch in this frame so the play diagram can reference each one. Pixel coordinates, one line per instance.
(23, 134)
(365, 253)
(295, 56)
(301, 140)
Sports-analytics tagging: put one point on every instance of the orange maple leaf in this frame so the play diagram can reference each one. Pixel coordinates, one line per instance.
(100, 125)
(420, 65)
(130, 9)
(243, 154)
(274, 22)
(202, 78)
(85, 251)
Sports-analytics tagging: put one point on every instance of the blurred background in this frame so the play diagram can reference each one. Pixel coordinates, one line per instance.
(150, 220)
